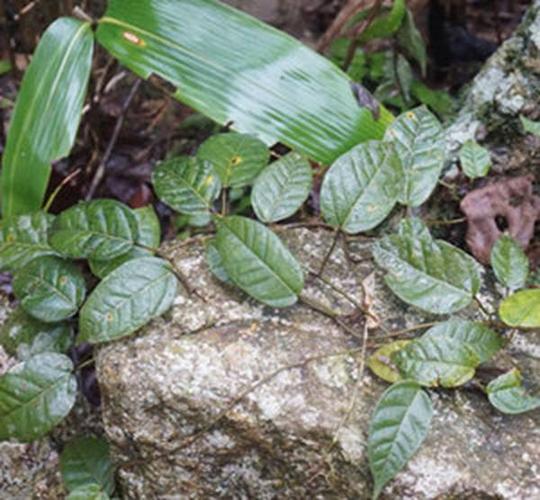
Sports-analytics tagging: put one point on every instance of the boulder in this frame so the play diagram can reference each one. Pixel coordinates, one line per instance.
(226, 398)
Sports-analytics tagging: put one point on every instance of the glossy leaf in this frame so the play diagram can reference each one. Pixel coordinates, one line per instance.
(26, 336)
(240, 71)
(362, 187)
(127, 299)
(258, 262)
(88, 492)
(398, 427)
(100, 229)
(483, 341)
(410, 39)
(236, 158)
(215, 263)
(381, 363)
(436, 360)
(47, 114)
(429, 274)
(282, 188)
(475, 160)
(50, 289)
(35, 396)
(522, 309)
(509, 263)
(149, 237)
(419, 141)
(188, 185)
(86, 461)
(530, 126)
(507, 394)
(24, 238)
(385, 24)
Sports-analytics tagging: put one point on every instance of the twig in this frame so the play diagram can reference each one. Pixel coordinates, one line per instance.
(441, 222)
(59, 188)
(482, 307)
(330, 252)
(359, 31)
(85, 364)
(25, 10)
(224, 202)
(348, 11)
(329, 313)
(405, 331)
(100, 171)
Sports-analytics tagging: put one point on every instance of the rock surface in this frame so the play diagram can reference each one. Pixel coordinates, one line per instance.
(183, 374)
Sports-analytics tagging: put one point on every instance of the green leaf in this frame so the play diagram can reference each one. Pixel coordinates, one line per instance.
(258, 262)
(439, 101)
(215, 263)
(237, 158)
(507, 394)
(404, 77)
(47, 114)
(381, 363)
(522, 309)
(483, 341)
(127, 299)
(362, 187)
(475, 160)
(429, 274)
(85, 461)
(509, 262)
(100, 230)
(410, 39)
(50, 289)
(188, 185)
(5, 66)
(282, 188)
(530, 126)
(35, 396)
(398, 427)
(149, 235)
(88, 492)
(26, 336)
(23, 238)
(278, 90)
(418, 137)
(386, 24)
(435, 360)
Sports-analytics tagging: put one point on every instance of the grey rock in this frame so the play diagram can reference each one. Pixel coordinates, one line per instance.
(226, 398)
(508, 86)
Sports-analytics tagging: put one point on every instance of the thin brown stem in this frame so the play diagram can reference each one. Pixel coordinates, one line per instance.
(59, 188)
(330, 252)
(100, 171)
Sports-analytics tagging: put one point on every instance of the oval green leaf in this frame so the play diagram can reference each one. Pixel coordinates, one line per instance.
(426, 273)
(24, 238)
(237, 158)
(188, 185)
(381, 363)
(435, 360)
(35, 396)
(127, 299)
(530, 126)
(279, 89)
(362, 187)
(282, 188)
(419, 141)
(507, 394)
(26, 336)
(509, 263)
(100, 229)
(475, 160)
(258, 262)
(215, 263)
(50, 289)
(398, 427)
(86, 461)
(522, 310)
(47, 113)
(480, 339)
(149, 237)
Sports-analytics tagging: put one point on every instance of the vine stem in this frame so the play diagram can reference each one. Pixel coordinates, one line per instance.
(85, 364)
(330, 252)
(482, 307)
(59, 188)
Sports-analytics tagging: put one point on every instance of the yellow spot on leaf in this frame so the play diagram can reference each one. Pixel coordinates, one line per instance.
(208, 180)
(411, 115)
(133, 38)
(236, 160)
